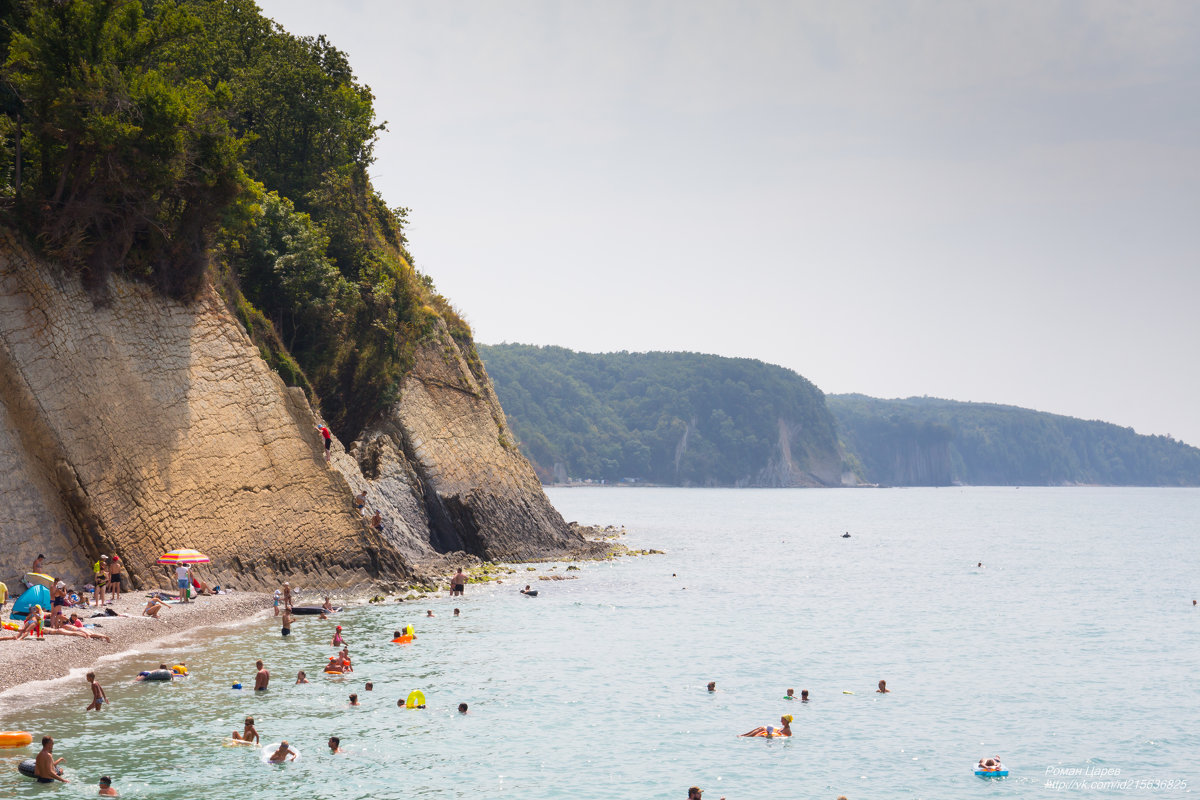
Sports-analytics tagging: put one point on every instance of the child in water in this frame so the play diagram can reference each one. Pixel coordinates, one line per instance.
(99, 698)
(248, 734)
(337, 637)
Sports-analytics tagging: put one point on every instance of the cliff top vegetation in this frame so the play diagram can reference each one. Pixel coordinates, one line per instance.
(987, 444)
(183, 142)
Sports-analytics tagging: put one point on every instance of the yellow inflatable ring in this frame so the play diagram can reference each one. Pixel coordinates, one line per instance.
(15, 738)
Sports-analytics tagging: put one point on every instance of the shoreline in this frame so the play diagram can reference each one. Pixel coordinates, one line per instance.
(56, 657)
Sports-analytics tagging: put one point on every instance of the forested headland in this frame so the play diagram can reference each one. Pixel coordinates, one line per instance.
(682, 419)
(926, 441)
(194, 142)
(703, 420)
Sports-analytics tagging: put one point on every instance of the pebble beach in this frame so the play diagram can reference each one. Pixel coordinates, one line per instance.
(55, 656)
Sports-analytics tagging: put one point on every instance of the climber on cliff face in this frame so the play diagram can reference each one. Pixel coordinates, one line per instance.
(328, 440)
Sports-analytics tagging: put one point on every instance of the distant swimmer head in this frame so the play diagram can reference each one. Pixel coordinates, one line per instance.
(804, 695)
(712, 686)
(791, 693)
(883, 689)
(462, 708)
(786, 719)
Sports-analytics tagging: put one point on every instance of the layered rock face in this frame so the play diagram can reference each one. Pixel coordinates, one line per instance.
(444, 470)
(794, 462)
(136, 425)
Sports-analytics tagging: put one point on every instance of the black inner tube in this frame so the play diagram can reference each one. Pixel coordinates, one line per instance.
(28, 767)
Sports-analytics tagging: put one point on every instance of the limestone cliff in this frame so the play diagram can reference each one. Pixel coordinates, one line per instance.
(134, 425)
(795, 463)
(442, 467)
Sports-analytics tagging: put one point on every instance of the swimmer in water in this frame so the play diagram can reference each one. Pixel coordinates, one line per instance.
(462, 708)
(99, 698)
(804, 695)
(791, 695)
(337, 637)
(284, 753)
(712, 686)
(248, 734)
(106, 787)
(353, 699)
(785, 728)
(286, 622)
(261, 678)
(369, 687)
(429, 613)
(883, 689)
(301, 677)
(334, 745)
(456, 612)
(45, 767)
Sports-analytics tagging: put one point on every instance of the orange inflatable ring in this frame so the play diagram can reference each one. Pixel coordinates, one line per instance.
(405, 639)
(15, 738)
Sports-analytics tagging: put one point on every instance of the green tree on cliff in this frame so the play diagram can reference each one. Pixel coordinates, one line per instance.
(123, 161)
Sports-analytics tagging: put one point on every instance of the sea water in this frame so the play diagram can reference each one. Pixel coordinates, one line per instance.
(1070, 653)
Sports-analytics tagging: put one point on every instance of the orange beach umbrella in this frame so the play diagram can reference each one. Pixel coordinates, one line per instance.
(183, 557)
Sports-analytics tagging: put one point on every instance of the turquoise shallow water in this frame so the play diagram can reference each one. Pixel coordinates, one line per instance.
(1073, 649)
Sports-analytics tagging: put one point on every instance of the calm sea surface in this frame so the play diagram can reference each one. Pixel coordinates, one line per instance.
(1073, 650)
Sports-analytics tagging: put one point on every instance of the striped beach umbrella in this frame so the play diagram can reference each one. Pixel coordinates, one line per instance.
(183, 557)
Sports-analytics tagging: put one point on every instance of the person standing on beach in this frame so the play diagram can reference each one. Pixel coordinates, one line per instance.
(100, 578)
(114, 578)
(458, 583)
(99, 698)
(261, 678)
(181, 578)
(287, 595)
(3, 595)
(45, 766)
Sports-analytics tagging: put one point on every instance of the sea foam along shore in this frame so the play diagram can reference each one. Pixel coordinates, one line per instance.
(55, 656)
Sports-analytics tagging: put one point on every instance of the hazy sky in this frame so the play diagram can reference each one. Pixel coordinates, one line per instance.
(989, 201)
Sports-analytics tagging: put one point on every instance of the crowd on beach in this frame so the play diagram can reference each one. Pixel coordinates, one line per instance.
(104, 587)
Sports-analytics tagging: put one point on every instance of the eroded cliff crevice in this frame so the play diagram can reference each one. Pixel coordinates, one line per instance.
(441, 467)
